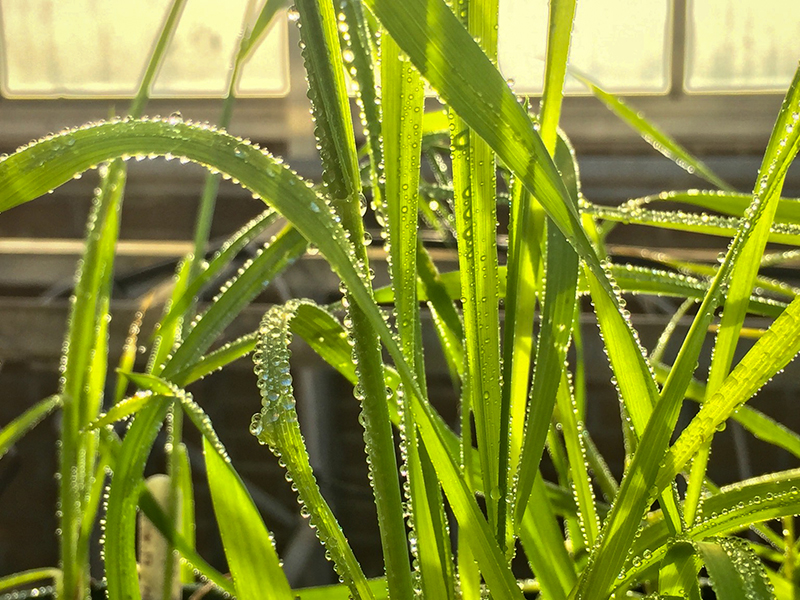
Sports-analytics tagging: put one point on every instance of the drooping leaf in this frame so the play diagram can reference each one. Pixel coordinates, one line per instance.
(249, 550)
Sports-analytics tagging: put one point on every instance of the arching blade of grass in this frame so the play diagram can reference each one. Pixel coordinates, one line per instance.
(14, 431)
(20, 181)
(652, 134)
(249, 550)
(124, 409)
(629, 278)
(216, 360)
(17, 580)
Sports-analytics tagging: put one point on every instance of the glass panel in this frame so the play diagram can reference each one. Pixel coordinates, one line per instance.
(742, 45)
(618, 43)
(91, 48)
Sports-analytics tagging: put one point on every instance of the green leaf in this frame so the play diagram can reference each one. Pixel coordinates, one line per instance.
(734, 571)
(334, 132)
(213, 361)
(677, 575)
(727, 203)
(161, 521)
(769, 355)
(284, 249)
(17, 580)
(249, 550)
(341, 592)
(14, 431)
(780, 233)
(559, 299)
(232, 246)
(124, 409)
(652, 134)
(120, 554)
(277, 426)
(402, 104)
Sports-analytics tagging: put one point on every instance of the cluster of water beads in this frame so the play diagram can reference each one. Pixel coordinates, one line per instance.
(277, 426)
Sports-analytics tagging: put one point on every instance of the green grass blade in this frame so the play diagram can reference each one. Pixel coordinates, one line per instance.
(733, 509)
(166, 338)
(782, 233)
(359, 46)
(572, 430)
(214, 361)
(17, 580)
(186, 489)
(726, 203)
(248, 41)
(677, 575)
(743, 277)
(276, 425)
(123, 409)
(476, 225)
(768, 356)
(629, 278)
(159, 518)
(129, 350)
(559, 37)
(757, 423)
(14, 431)
(402, 104)
(334, 132)
(559, 299)
(543, 542)
(229, 250)
(120, 556)
(261, 26)
(285, 248)
(734, 571)
(340, 592)
(653, 135)
(445, 318)
(249, 550)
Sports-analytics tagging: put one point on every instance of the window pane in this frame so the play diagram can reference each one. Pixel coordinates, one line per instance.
(618, 43)
(85, 48)
(742, 45)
